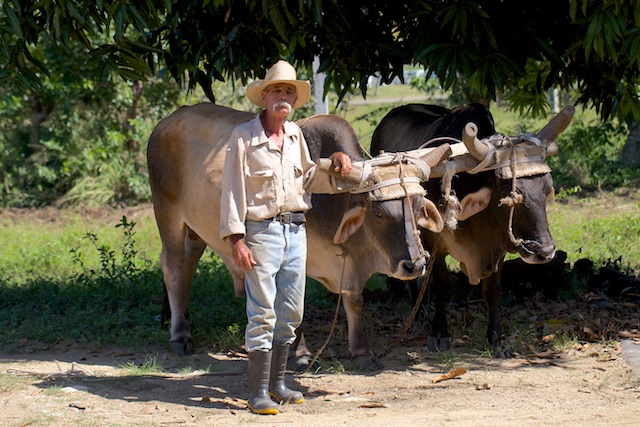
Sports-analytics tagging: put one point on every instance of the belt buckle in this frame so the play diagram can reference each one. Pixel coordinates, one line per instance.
(286, 217)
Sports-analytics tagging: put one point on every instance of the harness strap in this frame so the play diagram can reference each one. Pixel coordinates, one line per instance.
(449, 199)
(511, 201)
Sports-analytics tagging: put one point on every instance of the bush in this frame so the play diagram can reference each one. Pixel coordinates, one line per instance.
(588, 158)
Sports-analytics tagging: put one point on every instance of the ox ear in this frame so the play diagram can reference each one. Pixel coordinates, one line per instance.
(474, 203)
(429, 217)
(352, 220)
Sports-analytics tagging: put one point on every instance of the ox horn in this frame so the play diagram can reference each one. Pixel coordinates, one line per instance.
(437, 155)
(470, 138)
(555, 127)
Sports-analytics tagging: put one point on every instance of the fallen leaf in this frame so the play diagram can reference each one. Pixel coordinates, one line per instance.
(546, 363)
(590, 334)
(372, 405)
(629, 335)
(549, 354)
(454, 373)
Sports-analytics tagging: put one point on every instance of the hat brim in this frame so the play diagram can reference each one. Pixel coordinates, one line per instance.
(303, 90)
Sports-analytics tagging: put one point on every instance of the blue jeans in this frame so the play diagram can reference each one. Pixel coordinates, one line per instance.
(276, 285)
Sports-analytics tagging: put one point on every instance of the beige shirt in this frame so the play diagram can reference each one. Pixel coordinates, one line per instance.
(260, 180)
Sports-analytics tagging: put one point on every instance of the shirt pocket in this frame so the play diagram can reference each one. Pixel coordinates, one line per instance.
(260, 187)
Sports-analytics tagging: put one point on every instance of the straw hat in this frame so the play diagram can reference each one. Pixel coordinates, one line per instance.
(280, 72)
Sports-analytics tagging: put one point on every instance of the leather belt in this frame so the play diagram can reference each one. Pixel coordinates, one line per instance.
(290, 217)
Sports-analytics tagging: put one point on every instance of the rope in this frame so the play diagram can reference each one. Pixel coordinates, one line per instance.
(335, 316)
(511, 201)
(414, 223)
(489, 159)
(417, 304)
(449, 200)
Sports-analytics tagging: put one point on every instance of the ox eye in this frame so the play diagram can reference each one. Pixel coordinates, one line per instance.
(377, 213)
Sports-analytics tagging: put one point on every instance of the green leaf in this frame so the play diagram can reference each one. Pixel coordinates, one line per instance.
(14, 21)
(573, 9)
(277, 21)
(74, 12)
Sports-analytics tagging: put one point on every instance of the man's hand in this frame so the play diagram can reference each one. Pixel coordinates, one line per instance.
(342, 163)
(242, 255)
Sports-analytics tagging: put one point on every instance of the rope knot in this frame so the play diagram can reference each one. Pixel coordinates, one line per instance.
(511, 200)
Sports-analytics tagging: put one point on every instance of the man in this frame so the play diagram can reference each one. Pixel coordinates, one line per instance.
(267, 181)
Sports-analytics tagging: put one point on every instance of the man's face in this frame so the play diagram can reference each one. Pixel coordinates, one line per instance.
(279, 97)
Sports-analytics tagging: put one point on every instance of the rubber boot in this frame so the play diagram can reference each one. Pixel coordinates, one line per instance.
(259, 367)
(277, 388)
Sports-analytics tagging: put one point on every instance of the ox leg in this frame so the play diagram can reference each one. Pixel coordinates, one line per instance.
(299, 353)
(438, 337)
(492, 292)
(362, 357)
(181, 250)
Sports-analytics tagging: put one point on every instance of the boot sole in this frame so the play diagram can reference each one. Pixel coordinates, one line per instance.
(268, 411)
(293, 402)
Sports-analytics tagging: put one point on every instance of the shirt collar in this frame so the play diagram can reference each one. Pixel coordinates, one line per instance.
(290, 132)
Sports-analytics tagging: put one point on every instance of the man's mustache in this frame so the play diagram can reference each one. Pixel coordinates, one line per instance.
(280, 104)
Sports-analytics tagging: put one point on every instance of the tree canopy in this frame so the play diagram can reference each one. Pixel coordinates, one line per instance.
(513, 48)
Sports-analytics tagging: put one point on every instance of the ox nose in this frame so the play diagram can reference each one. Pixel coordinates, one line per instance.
(547, 252)
(540, 255)
(413, 268)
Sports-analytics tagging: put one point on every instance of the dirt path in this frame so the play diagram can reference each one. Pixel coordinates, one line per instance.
(587, 385)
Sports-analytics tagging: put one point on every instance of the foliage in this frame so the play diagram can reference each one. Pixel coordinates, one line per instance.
(588, 157)
(495, 46)
(84, 141)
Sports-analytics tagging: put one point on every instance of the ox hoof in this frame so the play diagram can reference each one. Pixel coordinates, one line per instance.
(366, 362)
(182, 347)
(301, 363)
(438, 343)
(502, 352)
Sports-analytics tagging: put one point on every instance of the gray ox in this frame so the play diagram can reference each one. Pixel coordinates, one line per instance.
(185, 157)
(482, 237)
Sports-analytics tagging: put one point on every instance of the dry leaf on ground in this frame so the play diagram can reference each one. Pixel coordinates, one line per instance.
(454, 373)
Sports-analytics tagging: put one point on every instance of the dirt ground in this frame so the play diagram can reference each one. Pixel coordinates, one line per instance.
(589, 384)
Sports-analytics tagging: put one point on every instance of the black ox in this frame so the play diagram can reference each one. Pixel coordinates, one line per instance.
(481, 238)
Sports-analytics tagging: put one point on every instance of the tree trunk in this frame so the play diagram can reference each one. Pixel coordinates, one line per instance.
(630, 155)
(39, 113)
(133, 145)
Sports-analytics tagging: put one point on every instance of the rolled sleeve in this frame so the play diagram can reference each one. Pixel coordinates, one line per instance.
(233, 201)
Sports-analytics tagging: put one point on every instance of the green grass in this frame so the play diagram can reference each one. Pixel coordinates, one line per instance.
(605, 229)
(41, 243)
(148, 367)
(113, 297)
